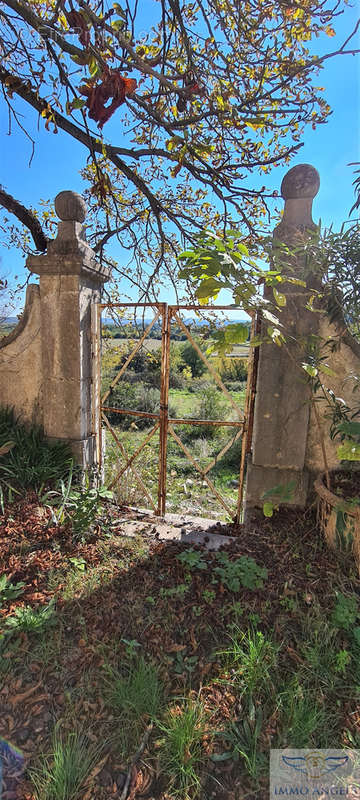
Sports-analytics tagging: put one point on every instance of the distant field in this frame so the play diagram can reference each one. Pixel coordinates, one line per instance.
(238, 351)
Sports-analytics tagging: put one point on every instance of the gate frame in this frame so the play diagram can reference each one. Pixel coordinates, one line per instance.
(162, 421)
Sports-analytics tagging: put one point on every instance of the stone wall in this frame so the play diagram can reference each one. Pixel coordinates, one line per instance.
(46, 362)
(20, 362)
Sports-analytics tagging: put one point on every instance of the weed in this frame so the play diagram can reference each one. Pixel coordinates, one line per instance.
(183, 664)
(319, 652)
(208, 596)
(305, 721)
(9, 591)
(342, 660)
(79, 507)
(130, 647)
(137, 696)
(242, 738)
(150, 600)
(180, 749)
(29, 620)
(250, 659)
(175, 591)
(63, 774)
(345, 612)
(289, 603)
(192, 559)
(242, 572)
(31, 462)
(78, 563)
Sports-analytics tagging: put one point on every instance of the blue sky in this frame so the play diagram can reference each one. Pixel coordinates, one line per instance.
(330, 148)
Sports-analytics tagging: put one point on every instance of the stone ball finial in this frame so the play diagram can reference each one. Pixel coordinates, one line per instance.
(70, 207)
(301, 181)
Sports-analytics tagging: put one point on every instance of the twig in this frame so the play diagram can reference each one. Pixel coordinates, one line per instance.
(137, 755)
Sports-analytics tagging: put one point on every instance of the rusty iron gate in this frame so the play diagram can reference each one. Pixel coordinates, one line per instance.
(168, 314)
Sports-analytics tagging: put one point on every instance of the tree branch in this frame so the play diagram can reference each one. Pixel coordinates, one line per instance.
(26, 217)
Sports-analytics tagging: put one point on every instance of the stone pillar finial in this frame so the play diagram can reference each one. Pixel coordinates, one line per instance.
(299, 187)
(70, 207)
(71, 210)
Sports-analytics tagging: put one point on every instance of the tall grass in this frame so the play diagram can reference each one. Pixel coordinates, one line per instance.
(136, 695)
(31, 462)
(181, 754)
(62, 774)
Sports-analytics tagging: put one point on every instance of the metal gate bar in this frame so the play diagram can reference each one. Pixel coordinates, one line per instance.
(165, 424)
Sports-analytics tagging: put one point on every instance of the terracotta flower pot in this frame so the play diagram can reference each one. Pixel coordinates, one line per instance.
(339, 520)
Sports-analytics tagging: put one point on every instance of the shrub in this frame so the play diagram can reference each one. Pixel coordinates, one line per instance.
(192, 359)
(32, 462)
(231, 368)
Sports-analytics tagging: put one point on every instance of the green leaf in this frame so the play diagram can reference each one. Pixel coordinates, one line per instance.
(77, 103)
(310, 369)
(279, 297)
(118, 25)
(356, 635)
(268, 509)
(350, 428)
(94, 68)
(208, 288)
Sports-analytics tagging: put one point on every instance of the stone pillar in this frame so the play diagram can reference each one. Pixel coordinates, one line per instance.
(70, 282)
(282, 404)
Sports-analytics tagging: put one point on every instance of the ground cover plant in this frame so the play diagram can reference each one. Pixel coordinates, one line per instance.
(175, 667)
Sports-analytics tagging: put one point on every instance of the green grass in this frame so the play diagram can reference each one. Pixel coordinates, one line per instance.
(136, 695)
(305, 719)
(250, 660)
(62, 775)
(181, 754)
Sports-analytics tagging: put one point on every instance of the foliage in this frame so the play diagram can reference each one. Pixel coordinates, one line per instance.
(64, 774)
(136, 694)
(335, 255)
(242, 737)
(283, 493)
(78, 507)
(180, 753)
(345, 612)
(29, 620)
(32, 462)
(191, 358)
(201, 98)
(306, 722)
(9, 591)
(244, 571)
(225, 262)
(251, 659)
(192, 559)
(231, 369)
(212, 404)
